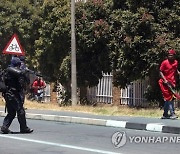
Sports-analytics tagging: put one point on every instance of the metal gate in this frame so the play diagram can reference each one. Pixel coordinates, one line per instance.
(103, 91)
(133, 95)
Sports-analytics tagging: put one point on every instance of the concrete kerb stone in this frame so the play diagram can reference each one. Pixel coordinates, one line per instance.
(62, 118)
(80, 120)
(99, 122)
(169, 129)
(154, 127)
(132, 125)
(115, 123)
(35, 116)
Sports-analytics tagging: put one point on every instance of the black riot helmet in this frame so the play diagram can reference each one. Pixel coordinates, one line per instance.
(15, 62)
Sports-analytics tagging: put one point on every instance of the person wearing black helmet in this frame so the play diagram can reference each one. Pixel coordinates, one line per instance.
(15, 82)
(23, 65)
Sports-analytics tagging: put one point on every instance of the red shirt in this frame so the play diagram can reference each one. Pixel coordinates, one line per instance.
(38, 84)
(169, 70)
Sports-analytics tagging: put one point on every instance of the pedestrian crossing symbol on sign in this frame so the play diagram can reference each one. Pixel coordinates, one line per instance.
(14, 47)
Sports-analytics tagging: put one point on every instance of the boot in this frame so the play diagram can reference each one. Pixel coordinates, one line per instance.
(26, 130)
(5, 130)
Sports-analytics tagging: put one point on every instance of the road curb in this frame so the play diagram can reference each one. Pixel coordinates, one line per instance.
(154, 127)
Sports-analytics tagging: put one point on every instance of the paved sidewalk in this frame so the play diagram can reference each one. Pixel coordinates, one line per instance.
(138, 123)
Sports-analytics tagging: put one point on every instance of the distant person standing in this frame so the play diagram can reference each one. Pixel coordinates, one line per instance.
(168, 73)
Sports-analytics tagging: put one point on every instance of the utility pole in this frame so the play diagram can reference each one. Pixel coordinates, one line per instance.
(73, 56)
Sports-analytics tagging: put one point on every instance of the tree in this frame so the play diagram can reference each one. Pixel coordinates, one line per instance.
(140, 36)
(22, 18)
(142, 33)
(92, 35)
(53, 45)
(129, 38)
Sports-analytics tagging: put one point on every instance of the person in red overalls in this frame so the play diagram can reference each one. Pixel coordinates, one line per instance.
(168, 72)
(38, 87)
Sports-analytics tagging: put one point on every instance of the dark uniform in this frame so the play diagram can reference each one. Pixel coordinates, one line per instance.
(15, 81)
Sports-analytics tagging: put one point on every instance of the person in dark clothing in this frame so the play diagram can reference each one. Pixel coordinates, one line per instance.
(15, 81)
(23, 65)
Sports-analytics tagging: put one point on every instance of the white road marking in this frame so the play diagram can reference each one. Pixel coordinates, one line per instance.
(59, 145)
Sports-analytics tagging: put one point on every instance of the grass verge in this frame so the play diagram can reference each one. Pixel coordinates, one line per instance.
(98, 110)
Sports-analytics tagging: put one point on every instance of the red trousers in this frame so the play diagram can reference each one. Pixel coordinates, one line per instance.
(167, 94)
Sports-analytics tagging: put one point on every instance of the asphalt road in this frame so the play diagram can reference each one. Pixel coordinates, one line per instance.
(51, 137)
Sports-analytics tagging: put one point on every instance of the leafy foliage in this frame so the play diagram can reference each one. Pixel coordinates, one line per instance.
(92, 33)
(21, 18)
(129, 38)
(141, 35)
(53, 45)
